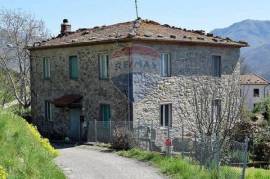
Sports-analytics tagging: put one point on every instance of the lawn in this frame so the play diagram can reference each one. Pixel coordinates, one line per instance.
(23, 152)
(178, 168)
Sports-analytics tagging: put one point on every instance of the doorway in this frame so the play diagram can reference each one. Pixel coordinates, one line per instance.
(74, 124)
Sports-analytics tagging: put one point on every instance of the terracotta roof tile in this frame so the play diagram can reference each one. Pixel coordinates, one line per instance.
(137, 30)
(253, 79)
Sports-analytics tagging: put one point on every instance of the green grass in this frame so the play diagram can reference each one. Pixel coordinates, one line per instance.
(178, 168)
(21, 154)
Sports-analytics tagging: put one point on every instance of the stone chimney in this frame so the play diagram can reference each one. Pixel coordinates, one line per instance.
(65, 27)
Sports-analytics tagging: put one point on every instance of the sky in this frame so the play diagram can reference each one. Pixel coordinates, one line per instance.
(194, 14)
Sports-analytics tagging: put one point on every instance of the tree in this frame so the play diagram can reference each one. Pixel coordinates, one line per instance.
(215, 107)
(19, 30)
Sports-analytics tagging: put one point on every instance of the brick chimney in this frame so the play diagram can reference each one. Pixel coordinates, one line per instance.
(65, 27)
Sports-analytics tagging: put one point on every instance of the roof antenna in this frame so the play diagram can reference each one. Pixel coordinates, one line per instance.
(136, 6)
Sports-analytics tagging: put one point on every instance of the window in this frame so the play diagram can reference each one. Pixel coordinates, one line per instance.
(46, 68)
(48, 111)
(103, 66)
(216, 110)
(216, 61)
(256, 92)
(73, 68)
(166, 115)
(165, 64)
(105, 114)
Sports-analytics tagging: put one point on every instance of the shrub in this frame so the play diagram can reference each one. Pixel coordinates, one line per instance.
(261, 148)
(21, 154)
(3, 173)
(43, 141)
(241, 130)
(122, 139)
(263, 108)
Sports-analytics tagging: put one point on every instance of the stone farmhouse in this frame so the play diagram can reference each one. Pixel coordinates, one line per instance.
(132, 71)
(254, 89)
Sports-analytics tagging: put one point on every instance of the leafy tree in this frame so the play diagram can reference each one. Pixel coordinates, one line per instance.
(18, 30)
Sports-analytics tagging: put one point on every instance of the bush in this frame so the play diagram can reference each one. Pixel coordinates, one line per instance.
(122, 139)
(43, 141)
(3, 173)
(261, 148)
(24, 153)
(263, 108)
(241, 130)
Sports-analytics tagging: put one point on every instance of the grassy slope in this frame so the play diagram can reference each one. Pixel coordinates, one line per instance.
(181, 169)
(21, 154)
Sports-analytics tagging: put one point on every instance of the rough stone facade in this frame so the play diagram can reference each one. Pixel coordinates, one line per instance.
(88, 85)
(134, 77)
(189, 64)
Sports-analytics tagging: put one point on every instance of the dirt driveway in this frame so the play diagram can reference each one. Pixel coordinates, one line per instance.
(89, 162)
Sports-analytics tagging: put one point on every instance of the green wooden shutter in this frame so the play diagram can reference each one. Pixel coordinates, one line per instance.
(48, 112)
(165, 64)
(70, 67)
(106, 66)
(103, 76)
(216, 65)
(103, 66)
(73, 67)
(105, 114)
(161, 115)
(46, 68)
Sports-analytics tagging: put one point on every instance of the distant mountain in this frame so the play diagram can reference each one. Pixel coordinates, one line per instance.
(257, 34)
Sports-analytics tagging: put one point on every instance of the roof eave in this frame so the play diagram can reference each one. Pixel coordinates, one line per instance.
(236, 45)
(79, 44)
(255, 84)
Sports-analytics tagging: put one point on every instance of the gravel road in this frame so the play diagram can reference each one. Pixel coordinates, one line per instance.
(89, 162)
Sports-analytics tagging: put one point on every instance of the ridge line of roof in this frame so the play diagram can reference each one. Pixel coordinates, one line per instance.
(133, 32)
(261, 77)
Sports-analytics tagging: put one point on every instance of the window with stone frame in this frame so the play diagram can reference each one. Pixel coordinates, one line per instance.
(48, 110)
(165, 64)
(216, 65)
(166, 115)
(256, 92)
(103, 66)
(46, 68)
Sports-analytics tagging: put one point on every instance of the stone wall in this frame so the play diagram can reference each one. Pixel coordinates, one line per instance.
(134, 76)
(93, 90)
(189, 64)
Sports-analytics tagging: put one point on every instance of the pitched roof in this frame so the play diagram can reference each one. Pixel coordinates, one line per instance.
(139, 29)
(253, 79)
